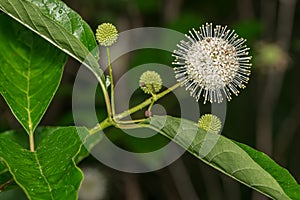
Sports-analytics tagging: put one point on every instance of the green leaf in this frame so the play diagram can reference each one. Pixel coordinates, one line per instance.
(30, 72)
(283, 177)
(89, 143)
(18, 136)
(60, 25)
(239, 161)
(50, 172)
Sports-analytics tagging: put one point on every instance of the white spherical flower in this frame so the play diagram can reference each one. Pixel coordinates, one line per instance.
(213, 62)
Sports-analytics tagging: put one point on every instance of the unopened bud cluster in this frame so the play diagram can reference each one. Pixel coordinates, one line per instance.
(106, 34)
(210, 123)
(150, 82)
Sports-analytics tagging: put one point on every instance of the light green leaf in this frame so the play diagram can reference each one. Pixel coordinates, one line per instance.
(60, 25)
(239, 161)
(30, 72)
(50, 172)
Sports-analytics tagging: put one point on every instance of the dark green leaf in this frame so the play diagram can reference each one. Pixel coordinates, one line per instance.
(30, 72)
(60, 25)
(18, 136)
(283, 177)
(59, 12)
(50, 172)
(239, 161)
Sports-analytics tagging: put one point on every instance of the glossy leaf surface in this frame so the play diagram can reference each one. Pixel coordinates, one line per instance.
(30, 72)
(239, 161)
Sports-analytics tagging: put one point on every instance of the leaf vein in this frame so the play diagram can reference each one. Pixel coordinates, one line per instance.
(43, 175)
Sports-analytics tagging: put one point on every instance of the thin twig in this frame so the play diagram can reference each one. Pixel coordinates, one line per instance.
(108, 122)
(112, 94)
(3, 186)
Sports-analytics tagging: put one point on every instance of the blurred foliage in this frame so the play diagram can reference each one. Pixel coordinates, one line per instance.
(241, 120)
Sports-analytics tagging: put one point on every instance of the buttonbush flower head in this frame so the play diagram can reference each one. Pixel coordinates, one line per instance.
(210, 123)
(150, 82)
(213, 62)
(106, 34)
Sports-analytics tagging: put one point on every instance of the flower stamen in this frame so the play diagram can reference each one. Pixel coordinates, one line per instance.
(213, 62)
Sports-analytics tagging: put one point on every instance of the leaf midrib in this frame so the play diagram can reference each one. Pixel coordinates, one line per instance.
(235, 178)
(211, 163)
(43, 175)
(27, 92)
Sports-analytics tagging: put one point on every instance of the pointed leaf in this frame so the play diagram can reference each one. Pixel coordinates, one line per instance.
(18, 137)
(50, 172)
(60, 25)
(30, 72)
(239, 161)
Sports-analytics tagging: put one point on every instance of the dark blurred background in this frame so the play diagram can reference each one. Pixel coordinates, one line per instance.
(265, 115)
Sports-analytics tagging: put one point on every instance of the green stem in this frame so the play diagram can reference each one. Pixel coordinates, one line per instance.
(104, 124)
(131, 126)
(31, 141)
(106, 97)
(108, 122)
(131, 121)
(151, 104)
(146, 102)
(112, 94)
(98, 74)
(2, 187)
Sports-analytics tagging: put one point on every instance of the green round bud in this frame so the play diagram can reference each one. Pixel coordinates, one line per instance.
(150, 82)
(210, 123)
(106, 34)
